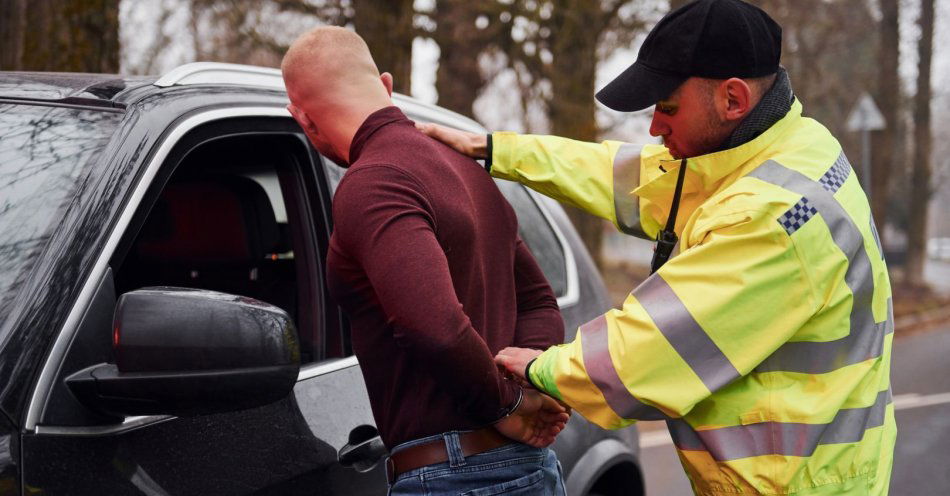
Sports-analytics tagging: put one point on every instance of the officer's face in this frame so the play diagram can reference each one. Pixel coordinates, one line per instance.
(688, 122)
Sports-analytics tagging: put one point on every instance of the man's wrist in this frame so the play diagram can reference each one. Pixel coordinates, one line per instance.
(488, 152)
(514, 406)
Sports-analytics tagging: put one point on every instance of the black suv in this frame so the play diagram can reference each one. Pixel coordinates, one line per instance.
(164, 325)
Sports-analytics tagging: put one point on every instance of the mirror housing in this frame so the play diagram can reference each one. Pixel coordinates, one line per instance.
(189, 352)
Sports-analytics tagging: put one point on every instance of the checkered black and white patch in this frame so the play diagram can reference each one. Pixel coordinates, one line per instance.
(837, 174)
(797, 216)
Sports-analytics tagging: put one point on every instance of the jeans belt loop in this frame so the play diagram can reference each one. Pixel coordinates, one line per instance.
(454, 448)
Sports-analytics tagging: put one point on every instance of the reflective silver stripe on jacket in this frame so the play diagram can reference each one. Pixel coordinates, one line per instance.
(780, 438)
(684, 334)
(877, 237)
(627, 179)
(601, 371)
(866, 337)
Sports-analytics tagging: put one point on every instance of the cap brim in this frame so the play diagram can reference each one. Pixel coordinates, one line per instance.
(637, 88)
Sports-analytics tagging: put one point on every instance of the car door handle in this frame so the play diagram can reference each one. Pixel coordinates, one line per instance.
(364, 450)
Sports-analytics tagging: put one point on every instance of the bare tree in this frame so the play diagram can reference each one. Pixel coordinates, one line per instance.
(923, 146)
(244, 31)
(571, 108)
(64, 35)
(675, 4)
(387, 27)
(464, 31)
(886, 157)
(12, 32)
(564, 51)
(830, 56)
(233, 30)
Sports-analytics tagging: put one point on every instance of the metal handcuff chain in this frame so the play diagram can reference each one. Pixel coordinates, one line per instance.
(666, 239)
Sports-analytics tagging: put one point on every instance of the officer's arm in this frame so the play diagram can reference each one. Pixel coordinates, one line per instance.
(708, 317)
(596, 177)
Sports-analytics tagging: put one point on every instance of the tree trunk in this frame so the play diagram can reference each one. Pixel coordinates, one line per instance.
(571, 109)
(885, 159)
(921, 175)
(12, 27)
(458, 79)
(675, 4)
(64, 35)
(386, 25)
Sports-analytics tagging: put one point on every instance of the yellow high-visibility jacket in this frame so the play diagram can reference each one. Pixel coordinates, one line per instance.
(766, 341)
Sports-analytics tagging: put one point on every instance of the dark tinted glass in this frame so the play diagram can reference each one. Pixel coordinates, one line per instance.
(538, 235)
(44, 152)
(334, 174)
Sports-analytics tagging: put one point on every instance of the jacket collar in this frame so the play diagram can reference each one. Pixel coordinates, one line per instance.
(706, 171)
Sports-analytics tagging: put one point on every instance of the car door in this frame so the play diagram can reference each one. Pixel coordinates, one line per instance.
(292, 446)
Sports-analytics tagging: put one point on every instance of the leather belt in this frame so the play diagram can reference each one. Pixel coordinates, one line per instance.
(433, 452)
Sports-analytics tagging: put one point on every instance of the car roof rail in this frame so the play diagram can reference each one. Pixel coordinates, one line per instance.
(222, 73)
(267, 77)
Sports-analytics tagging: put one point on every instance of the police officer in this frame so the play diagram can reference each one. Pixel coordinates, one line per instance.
(765, 341)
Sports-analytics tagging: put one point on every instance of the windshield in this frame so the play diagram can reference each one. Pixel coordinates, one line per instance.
(44, 152)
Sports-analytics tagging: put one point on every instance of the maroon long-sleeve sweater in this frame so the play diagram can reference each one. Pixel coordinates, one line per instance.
(426, 261)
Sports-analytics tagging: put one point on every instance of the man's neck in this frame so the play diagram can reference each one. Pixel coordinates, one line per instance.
(351, 119)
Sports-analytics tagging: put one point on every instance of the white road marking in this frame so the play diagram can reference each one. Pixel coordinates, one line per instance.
(653, 439)
(914, 400)
(662, 437)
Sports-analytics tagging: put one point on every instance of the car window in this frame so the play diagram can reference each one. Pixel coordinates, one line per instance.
(44, 152)
(538, 234)
(222, 223)
(334, 173)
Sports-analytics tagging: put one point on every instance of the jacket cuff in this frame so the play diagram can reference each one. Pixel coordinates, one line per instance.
(527, 374)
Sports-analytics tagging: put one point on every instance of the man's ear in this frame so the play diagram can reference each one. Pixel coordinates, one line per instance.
(309, 128)
(735, 96)
(387, 80)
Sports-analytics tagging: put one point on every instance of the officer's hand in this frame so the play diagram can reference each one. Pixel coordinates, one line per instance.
(472, 144)
(515, 360)
(536, 422)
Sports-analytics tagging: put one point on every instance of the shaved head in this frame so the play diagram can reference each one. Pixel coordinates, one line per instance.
(327, 57)
(333, 84)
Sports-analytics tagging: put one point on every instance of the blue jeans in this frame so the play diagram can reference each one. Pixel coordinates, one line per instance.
(511, 469)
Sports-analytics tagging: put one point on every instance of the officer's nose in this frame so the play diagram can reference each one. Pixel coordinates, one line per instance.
(658, 126)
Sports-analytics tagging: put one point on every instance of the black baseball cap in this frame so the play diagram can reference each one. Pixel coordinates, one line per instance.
(716, 39)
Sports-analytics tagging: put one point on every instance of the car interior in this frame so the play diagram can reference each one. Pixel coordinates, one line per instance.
(221, 223)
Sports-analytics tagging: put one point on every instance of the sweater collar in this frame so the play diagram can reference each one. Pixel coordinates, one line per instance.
(373, 123)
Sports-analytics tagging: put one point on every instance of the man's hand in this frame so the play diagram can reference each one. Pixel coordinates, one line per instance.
(472, 144)
(515, 360)
(536, 422)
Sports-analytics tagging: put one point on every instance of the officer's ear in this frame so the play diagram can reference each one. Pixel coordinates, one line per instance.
(733, 99)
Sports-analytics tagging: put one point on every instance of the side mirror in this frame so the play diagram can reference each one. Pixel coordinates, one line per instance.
(189, 352)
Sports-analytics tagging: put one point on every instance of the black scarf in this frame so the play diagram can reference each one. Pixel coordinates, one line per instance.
(772, 108)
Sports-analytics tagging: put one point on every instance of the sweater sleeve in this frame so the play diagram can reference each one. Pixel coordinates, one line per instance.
(383, 220)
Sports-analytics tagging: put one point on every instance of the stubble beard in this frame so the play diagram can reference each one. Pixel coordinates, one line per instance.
(715, 132)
